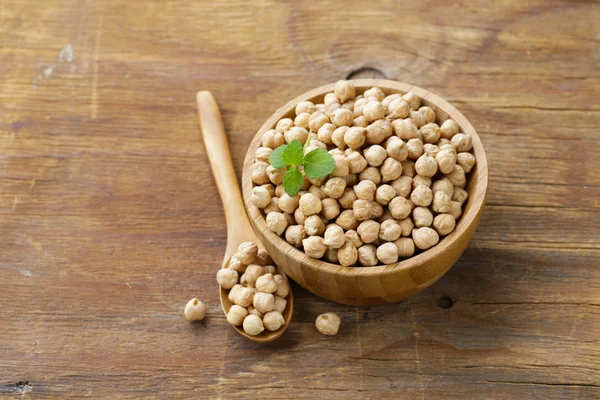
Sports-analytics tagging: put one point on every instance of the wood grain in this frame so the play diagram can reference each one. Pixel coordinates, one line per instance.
(110, 220)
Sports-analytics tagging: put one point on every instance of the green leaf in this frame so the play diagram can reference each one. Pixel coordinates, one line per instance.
(276, 157)
(292, 181)
(318, 164)
(293, 153)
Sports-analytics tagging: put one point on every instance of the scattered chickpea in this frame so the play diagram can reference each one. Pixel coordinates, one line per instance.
(425, 237)
(457, 176)
(400, 207)
(403, 185)
(295, 234)
(446, 160)
(317, 120)
(378, 131)
(260, 197)
(444, 223)
(384, 194)
(413, 100)
(337, 137)
(375, 155)
(253, 325)
(330, 208)
(396, 148)
(361, 209)
(415, 148)
(195, 310)
(462, 142)
(443, 185)
(334, 187)
(347, 255)
(344, 90)
(334, 236)
(449, 128)
(353, 238)
(243, 296)
(356, 162)
(391, 169)
(277, 222)
(236, 315)
(328, 324)
(405, 129)
(341, 166)
(227, 278)
(273, 320)
(421, 180)
(259, 173)
(355, 137)
(431, 132)
(389, 230)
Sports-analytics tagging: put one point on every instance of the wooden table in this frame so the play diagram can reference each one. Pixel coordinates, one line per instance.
(111, 222)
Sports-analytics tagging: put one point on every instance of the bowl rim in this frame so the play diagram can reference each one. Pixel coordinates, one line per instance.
(477, 194)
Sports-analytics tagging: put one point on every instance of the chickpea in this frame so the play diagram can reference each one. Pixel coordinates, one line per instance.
(337, 137)
(415, 148)
(462, 142)
(408, 168)
(270, 189)
(431, 132)
(378, 131)
(422, 216)
(227, 278)
(277, 222)
(406, 247)
(301, 120)
(431, 149)
(259, 173)
(330, 208)
(421, 180)
(449, 128)
(331, 255)
(359, 105)
(428, 115)
(362, 210)
(310, 204)
(355, 137)
(347, 220)
(347, 255)
(457, 176)
(460, 195)
(443, 143)
(334, 236)
(398, 108)
(376, 210)
(466, 161)
(328, 324)
(288, 203)
(236, 265)
(299, 216)
(347, 198)
(368, 231)
(422, 196)
(405, 129)
(353, 238)
(373, 111)
(356, 162)
(375, 155)
(273, 320)
(344, 90)
(367, 255)
(387, 253)
(330, 98)
(443, 185)
(283, 125)
(243, 296)
(236, 315)
(314, 246)
(360, 122)
(275, 175)
(455, 210)
(296, 133)
(295, 234)
(263, 153)
(342, 117)
(325, 133)
(426, 166)
(279, 191)
(314, 226)
(413, 100)
(407, 226)
(341, 166)
(246, 252)
(314, 182)
(260, 197)
(365, 190)
(400, 207)
(317, 120)
(389, 230)
(349, 105)
(384, 194)
(267, 139)
(403, 185)
(396, 148)
(391, 169)
(334, 187)
(372, 174)
(273, 206)
(441, 202)
(446, 160)
(444, 224)
(425, 237)
(388, 99)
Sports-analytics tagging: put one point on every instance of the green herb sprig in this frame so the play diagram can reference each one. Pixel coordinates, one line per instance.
(317, 164)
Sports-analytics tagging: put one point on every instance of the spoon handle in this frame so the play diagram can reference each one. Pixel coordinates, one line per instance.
(219, 155)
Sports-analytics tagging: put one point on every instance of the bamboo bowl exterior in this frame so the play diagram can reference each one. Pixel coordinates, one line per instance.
(380, 284)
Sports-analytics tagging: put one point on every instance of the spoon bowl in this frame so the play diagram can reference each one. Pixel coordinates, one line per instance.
(239, 229)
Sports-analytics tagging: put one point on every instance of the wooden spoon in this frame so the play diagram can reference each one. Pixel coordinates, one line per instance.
(238, 225)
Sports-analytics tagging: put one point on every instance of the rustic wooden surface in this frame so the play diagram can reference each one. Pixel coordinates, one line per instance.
(110, 219)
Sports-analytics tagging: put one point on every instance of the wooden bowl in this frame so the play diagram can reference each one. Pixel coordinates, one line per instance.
(381, 284)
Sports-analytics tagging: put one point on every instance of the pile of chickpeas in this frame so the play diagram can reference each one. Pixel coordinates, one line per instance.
(397, 187)
(257, 291)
